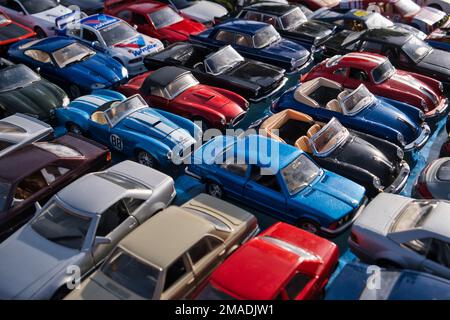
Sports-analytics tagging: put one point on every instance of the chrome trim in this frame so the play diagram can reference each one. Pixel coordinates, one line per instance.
(303, 66)
(272, 92)
(349, 223)
(421, 140)
(189, 173)
(400, 182)
(438, 111)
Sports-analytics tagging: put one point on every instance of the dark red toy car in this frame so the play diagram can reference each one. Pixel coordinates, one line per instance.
(382, 79)
(176, 90)
(12, 32)
(154, 19)
(283, 263)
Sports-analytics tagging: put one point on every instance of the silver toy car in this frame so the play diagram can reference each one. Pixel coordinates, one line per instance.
(434, 181)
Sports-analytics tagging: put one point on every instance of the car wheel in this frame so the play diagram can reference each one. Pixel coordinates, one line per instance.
(202, 123)
(75, 129)
(214, 190)
(308, 225)
(40, 34)
(146, 159)
(388, 264)
(74, 91)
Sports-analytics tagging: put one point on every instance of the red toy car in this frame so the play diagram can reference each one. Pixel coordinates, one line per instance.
(154, 19)
(381, 78)
(12, 32)
(283, 262)
(176, 90)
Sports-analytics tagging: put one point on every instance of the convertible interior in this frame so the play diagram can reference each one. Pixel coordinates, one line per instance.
(321, 93)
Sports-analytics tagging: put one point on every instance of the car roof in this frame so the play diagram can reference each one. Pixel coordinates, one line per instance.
(243, 26)
(50, 44)
(99, 21)
(386, 35)
(272, 8)
(164, 76)
(165, 237)
(438, 221)
(364, 60)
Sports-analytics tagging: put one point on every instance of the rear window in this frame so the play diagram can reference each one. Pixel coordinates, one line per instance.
(59, 150)
(413, 215)
(218, 224)
(6, 127)
(444, 172)
(121, 180)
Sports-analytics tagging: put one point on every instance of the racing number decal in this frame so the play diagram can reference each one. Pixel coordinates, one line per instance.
(116, 142)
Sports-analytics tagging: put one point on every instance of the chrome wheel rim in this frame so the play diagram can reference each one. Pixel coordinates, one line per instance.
(215, 190)
(145, 159)
(75, 130)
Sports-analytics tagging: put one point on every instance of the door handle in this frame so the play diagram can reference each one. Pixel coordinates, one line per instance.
(134, 224)
(222, 253)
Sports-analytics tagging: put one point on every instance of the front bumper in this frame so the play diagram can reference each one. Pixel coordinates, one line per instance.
(271, 93)
(304, 67)
(400, 182)
(421, 140)
(439, 112)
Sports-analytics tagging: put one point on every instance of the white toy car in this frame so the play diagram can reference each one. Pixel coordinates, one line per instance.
(205, 12)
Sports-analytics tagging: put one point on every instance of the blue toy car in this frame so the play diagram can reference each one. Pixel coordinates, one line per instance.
(360, 110)
(69, 64)
(281, 181)
(129, 126)
(256, 40)
(357, 281)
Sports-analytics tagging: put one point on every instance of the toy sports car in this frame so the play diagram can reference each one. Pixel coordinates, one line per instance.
(434, 181)
(203, 11)
(11, 32)
(223, 68)
(22, 90)
(381, 78)
(280, 180)
(70, 64)
(323, 99)
(40, 15)
(128, 125)
(359, 20)
(79, 226)
(33, 168)
(439, 39)
(115, 38)
(372, 162)
(176, 90)
(154, 19)
(405, 51)
(256, 40)
(271, 265)
(289, 21)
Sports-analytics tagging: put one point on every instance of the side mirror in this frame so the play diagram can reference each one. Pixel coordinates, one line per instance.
(101, 240)
(96, 45)
(38, 69)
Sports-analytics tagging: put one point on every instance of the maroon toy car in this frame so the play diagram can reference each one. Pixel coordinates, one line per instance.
(154, 19)
(176, 90)
(33, 169)
(381, 78)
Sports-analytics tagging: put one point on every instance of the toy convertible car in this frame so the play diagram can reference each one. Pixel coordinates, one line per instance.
(372, 162)
(129, 126)
(176, 90)
(223, 68)
(284, 182)
(360, 110)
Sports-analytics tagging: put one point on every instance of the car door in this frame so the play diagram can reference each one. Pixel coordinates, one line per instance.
(356, 76)
(438, 258)
(233, 176)
(179, 280)
(101, 132)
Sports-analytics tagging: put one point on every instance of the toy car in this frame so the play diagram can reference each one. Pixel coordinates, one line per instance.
(176, 90)
(33, 168)
(433, 182)
(256, 40)
(205, 12)
(11, 32)
(223, 68)
(24, 91)
(318, 4)
(351, 284)
(80, 226)
(283, 263)
(196, 236)
(425, 19)
(89, 7)
(283, 182)
(41, 15)
(372, 162)
(360, 110)
(445, 148)
(405, 51)
(289, 21)
(359, 20)
(129, 126)
(439, 39)
(154, 19)
(381, 78)
(401, 232)
(115, 38)
(70, 64)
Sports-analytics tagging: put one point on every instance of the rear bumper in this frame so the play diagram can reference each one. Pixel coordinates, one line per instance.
(400, 182)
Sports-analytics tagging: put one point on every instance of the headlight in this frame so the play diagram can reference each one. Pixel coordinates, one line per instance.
(124, 72)
(377, 183)
(441, 87)
(424, 105)
(65, 101)
(400, 153)
(401, 139)
(169, 155)
(97, 86)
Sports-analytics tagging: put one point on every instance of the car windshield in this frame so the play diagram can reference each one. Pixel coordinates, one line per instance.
(357, 100)
(416, 49)
(387, 281)
(376, 20)
(383, 72)
(116, 33)
(413, 215)
(4, 19)
(33, 6)
(181, 84)
(266, 37)
(182, 4)
(59, 150)
(59, 225)
(293, 18)
(330, 137)
(223, 60)
(164, 17)
(131, 273)
(72, 53)
(4, 193)
(121, 109)
(210, 292)
(300, 173)
(406, 7)
(17, 76)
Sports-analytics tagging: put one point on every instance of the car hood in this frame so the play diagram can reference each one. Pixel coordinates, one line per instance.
(12, 31)
(32, 261)
(38, 98)
(429, 15)
(138, 46)
(437, 61)
(312, 29)
(286, 48)
(183, 28)
(205, 11)
(404, 82)
(52, 14)
(262, 74)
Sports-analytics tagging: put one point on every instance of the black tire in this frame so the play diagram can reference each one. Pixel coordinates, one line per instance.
(75, 129)
(215, 190)
(40, 34)
(146, 159)
(308, 225)
(74, 91)
(388, 264)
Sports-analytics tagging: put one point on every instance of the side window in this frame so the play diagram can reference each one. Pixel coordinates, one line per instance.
(244, 40)
(74, 32)
(30, 185)
(232, 166)
(139, 19)
(353, 45)
(89, 35)
(225, 36)
(268, 181)
(125, 15)
(372, 47)
(132, 204)
(175, 272)
(358, 74)
(39, 56)
(13, 5)
(439, 252)
(202, 248)
(157, 91)
(112, 218)
(340, 72)
(253, 16)
(51, 173)
(270, 20)
(296, 285)
(419, 246)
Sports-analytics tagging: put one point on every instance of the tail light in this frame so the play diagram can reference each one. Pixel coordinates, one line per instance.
(422, 189)
(354, 238)
(108, 156)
